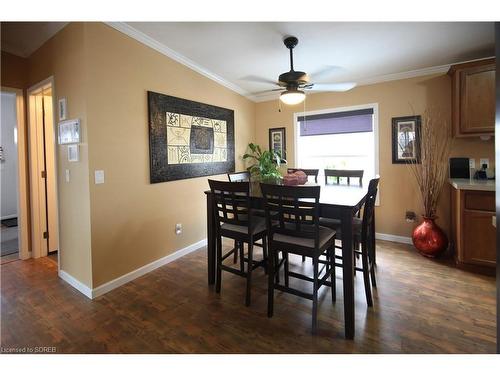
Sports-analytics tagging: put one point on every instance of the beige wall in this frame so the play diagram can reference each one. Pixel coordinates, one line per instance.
(63, 57)
(14, 71)
(132, 220)
(110, 229)
(394, 99)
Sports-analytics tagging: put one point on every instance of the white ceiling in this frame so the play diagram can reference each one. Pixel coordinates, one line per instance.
(24, 38)
(232, 53)
(362, 52)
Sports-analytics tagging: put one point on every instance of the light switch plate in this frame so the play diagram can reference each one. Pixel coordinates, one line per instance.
(484, 161)
(67, 174)
(99, 177)
(472, 163)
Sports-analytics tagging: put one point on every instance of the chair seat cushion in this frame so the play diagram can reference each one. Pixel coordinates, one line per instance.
(356, 228)
(259, 225)
(325, 235)
(329, 223)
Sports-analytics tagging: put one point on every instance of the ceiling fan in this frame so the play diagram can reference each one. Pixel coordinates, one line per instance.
(293, 83)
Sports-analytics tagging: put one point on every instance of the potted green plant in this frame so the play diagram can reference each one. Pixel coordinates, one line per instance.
(266, 164)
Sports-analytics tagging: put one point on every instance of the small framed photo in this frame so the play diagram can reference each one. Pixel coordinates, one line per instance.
(406, 139)
(62, 109)
(277, 141)
(69, 132)
(73, 153)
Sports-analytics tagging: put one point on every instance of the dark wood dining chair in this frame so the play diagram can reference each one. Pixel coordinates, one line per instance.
(243, 176)
(295, 229)
(362, 231)
(235, 219)
(334, 176)
(309, 172)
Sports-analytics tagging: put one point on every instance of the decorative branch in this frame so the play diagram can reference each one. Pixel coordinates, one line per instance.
(435, 147)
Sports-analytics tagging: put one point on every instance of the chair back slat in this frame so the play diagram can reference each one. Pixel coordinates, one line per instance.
(292, 211)
(309, 172)
(336, 174)
(232, 203)
(369, 207)
(239, 176)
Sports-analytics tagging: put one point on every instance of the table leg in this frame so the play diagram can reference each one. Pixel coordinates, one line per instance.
(348, 272)
(372, 239)
(210, 240)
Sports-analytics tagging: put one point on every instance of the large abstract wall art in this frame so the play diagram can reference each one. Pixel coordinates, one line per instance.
(188, 139)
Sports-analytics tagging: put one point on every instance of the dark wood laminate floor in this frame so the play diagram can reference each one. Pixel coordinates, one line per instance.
(421, 306)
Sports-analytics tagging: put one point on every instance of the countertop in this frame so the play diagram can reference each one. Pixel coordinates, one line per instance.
(471, 184)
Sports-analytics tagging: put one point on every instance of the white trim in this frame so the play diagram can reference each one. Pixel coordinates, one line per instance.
(393, 238)
(78, 285)
(132, 32)
(145, 39)
(119, 281)
(439, 69)
(405, 75)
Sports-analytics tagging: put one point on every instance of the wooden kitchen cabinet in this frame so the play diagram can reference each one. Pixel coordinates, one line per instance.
(473, 98)
(473, 233)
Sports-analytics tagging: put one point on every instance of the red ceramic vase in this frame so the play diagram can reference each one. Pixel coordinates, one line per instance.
(429, 239)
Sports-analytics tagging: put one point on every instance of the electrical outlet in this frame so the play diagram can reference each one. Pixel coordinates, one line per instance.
(178, 228)
(410, 216)
(484, 161)
(472, 163)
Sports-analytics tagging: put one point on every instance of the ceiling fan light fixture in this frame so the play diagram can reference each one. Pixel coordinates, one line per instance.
(292, 97)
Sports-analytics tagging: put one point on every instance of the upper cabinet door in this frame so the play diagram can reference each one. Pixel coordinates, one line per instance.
(473, 98)
(477, 107)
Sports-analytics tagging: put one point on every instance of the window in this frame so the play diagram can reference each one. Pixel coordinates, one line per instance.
(343, 138)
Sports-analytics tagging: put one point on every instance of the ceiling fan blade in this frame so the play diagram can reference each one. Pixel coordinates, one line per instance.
(257, 93)
(325, 72)
(257, 79)
(344, 86)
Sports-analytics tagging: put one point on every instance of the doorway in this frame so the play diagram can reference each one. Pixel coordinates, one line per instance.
(14, 179)
(43, 179)
(8, 177)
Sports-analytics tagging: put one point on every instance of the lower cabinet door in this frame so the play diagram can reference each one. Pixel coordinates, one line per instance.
(479, 238)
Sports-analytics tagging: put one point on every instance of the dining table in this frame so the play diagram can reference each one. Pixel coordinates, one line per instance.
(336, 202)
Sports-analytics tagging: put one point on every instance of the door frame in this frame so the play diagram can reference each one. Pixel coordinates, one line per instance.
(37, 250)
(23, 214)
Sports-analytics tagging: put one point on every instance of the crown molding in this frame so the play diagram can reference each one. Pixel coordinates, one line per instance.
(373, 80)
(132, 32)
(405, 75)
(157, 46)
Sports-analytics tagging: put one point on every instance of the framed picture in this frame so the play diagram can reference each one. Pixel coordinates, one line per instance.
(188, 139)
(277, 141)
(62, 109)
(406, 139)
(69, 132)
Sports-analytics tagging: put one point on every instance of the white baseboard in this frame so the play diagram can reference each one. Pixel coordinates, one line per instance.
(393, 238)
(119, 281)
(78, 285)
(110, 285)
